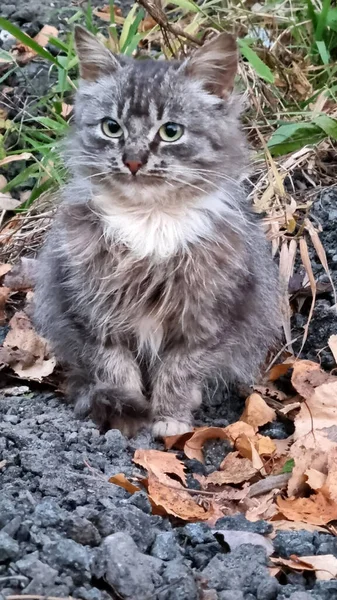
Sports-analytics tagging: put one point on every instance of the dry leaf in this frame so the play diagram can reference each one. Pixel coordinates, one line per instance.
(161, 464)
(43, 36)
(282, 525)
(325, 566)
(257, 445)
(176, 500)
(332, 341)
(177, 441)
(317, 509)
(123, 482)
(193, 446)
(233, 470)
(4, 295)
(315, 479)
(14, 157)
(22, 275)
(66, 110)
(8, 203)
(330, 486)
(257, 412)
(30, 350)
(235, 430)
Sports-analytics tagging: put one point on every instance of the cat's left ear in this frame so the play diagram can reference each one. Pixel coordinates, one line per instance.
(95, 59)
(215, 64)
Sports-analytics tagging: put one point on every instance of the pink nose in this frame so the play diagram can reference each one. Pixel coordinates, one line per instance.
(133, 165)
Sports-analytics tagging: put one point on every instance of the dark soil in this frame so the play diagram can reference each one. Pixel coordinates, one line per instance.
(65, 531)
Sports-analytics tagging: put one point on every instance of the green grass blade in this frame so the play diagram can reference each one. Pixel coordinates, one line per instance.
(28, 41)
(255, 61)
(327, 124)
(323, 52)
(322, 21)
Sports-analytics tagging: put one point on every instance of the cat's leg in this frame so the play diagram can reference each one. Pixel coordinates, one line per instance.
(109, 390)
(177, 390)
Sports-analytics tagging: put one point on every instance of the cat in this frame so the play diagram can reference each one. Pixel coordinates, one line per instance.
(156, 274)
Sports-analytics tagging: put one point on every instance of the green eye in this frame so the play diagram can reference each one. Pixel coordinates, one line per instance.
(170, 132)
(111, 128)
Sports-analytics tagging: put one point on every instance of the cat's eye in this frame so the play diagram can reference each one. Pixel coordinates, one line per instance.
(171, 132)
(111, 128)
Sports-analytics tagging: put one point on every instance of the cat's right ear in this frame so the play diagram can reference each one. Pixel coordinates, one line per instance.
(95, 59)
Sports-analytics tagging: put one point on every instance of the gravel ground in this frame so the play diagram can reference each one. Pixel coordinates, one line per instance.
(65, 531)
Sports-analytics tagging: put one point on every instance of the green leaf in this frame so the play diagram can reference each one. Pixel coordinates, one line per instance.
(293, 136)
(331, 20)
(255, 61)
(288, 467)
(186, 5)
(127, 24)
(31, 171)
(322, 21)
(312, 14)
(28, 41)
(323, 52)
(59, 125)
(327, 124)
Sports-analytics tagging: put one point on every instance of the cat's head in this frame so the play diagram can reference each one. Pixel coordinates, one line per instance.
(145, 123)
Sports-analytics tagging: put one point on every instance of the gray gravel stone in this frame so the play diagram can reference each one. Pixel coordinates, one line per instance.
(129, 572)
(267, 589)
(180, 582)
(240, 523)
(225, 572)
(165, 546)
(9, 548)
(300, 543)
(68, 556)
(82, 531)
(131, 520)
(42, 574)
(231, 595)
(48, 513)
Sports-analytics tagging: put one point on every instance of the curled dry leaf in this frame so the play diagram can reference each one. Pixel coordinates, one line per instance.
(177, 441)
(315, 479)
(8, 203)
(161, 464)
(14, 157)
(29, 350)
(120, 480)
(257, 412)
(233, 470)
(325, 566)
(315, 424)
(193, 446)
(317, 509)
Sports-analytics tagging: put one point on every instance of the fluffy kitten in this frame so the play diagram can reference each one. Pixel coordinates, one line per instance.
(155, 275)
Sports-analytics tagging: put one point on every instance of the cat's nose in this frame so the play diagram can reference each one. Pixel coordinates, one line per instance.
(133, 165)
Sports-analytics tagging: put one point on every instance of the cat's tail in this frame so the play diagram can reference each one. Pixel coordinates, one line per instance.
(111, 407)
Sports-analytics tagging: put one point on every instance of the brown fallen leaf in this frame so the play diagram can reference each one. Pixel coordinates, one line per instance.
(235, 430)
(34, 359)
(66, 110)
(315, 479)
(104, 14)
(233, 470)
(282, 525)
(177, 441)
(263, 507)
(325, 566)
(120, 480)
(316, 423)
(25, 54)
(176, 500)
(47, 31)
(332, 341)
(161, 464)
(257, 444)
(4, 295)
(22, 275)
(277, 371)
(330, 485)
(257, 412)
(193, 446)
(317, 509)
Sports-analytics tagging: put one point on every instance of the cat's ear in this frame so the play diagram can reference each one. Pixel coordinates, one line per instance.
(215, 64)
(95, 59)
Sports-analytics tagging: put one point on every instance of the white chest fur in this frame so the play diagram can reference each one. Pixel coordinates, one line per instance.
(157, 231)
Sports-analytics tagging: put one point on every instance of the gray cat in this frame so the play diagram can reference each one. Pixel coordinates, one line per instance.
(155, 275)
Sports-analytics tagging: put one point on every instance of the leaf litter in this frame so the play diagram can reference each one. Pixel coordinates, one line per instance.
(250, 479)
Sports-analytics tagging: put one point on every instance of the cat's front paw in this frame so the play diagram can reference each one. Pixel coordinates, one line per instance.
(169, 426)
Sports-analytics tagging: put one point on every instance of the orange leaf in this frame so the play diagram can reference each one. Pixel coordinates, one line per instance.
(257, 412)
(193, 446)
(317, 509)
(233, 470)
(123, 482)
(177, 441)
(161, 464)
(4, 295)
(176, 501)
